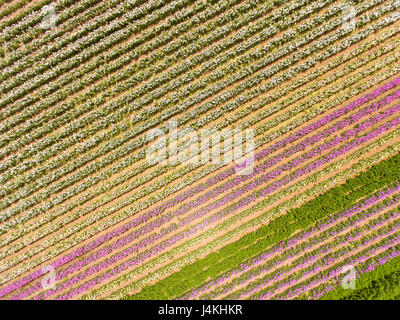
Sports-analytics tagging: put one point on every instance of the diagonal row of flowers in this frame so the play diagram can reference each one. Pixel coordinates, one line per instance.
(227, 173)
(60, 255)
(332, 221)
(255, 262)
(286, 277)
(281, 267)
(86, 210)
(251, 198)
(155, 83)
(27, 203)
(370, 248)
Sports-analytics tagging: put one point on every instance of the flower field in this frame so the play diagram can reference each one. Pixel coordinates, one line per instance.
(308, 207)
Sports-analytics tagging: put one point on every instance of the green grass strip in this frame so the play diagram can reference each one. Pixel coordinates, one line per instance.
(334, 200)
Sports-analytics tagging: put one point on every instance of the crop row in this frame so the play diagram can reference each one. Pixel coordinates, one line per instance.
(331, 273)
(26, 19)
(390, 255)
(9, 9)
(36, 48)
(92, 45)
(174, 73)
(189, 258)
(379, 270)
(279, 279)
(31, 190)
(166, 258)
(307, 252)
(85, 48)
(22, 45)
(81, 136)
(132, 186)
(135, 49)
(104, 151)
(375, 242)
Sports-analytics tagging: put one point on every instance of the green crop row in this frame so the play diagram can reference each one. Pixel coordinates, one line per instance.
(182, 232)
(386, 238)
(312, 265)
(24, 166)
(14, 186)
(140, 181)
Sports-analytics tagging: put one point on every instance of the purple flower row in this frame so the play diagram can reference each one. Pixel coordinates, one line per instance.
(303, 260)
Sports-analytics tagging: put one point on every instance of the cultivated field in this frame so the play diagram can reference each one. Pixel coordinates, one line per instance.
(118, 178)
